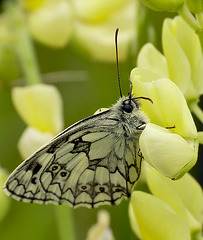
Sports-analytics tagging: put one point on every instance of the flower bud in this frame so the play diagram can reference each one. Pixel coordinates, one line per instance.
(101, 230)
(195, 6)
(164, 5)
(167, 152)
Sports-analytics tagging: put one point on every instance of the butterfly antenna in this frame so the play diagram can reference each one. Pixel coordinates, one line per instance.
(116, 43)
(131, 88)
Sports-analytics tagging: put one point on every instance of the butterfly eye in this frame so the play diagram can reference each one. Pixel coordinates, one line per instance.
(127, 107)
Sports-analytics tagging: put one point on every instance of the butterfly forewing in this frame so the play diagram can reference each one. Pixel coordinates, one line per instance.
(93, 162)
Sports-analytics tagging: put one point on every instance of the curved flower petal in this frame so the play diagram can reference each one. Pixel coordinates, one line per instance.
(52, 23)
(31, 140)
(169, 108)
(182, 61)
(150, 211)
(40, 106)
(151, 59)
(133, 221)
(183, 53)
(167, 152)
(184, 196)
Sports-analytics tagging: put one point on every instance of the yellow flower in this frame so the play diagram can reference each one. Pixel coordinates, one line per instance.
(174, 212)
(96, 23)
(40, 106)
(171, 151)
(156, 219)
(51, 23)
(182, 61)
(184, 195)
(31, 140)
(101, 230)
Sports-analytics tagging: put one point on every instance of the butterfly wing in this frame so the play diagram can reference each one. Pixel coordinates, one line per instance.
(88, 164)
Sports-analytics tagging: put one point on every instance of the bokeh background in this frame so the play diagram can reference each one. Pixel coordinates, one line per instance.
(85, 85)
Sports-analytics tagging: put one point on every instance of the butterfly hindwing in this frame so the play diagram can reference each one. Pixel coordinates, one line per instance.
(92, 162)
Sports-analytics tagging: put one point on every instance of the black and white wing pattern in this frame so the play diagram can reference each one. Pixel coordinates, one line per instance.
(95, 161)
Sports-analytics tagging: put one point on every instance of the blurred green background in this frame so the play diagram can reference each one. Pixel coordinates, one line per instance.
(82, 94)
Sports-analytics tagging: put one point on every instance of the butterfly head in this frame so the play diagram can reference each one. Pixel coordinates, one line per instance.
(129, 104)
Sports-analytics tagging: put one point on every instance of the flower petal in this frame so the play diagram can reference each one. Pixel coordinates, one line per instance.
(40, 106)
(151, 59)
(184, 196)
(183, 53)
(31, 140)
(169, 108)
(167, 152)
(156, 219)
(52, 23)
(133, 221)
(97, 37)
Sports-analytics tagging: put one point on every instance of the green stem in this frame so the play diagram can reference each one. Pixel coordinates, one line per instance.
(200, 137)
(197, 111)
(65, 222)
(23, 43)
(189, 18)
(199, 17)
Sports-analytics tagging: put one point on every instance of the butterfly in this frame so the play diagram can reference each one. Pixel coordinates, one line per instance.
(95, 161)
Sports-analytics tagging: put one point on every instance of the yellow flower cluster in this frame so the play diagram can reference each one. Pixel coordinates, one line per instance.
(169, 143)
(90, 23)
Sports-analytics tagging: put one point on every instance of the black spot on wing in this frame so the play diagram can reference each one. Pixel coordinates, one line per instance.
(33, 180)
(36, 168)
